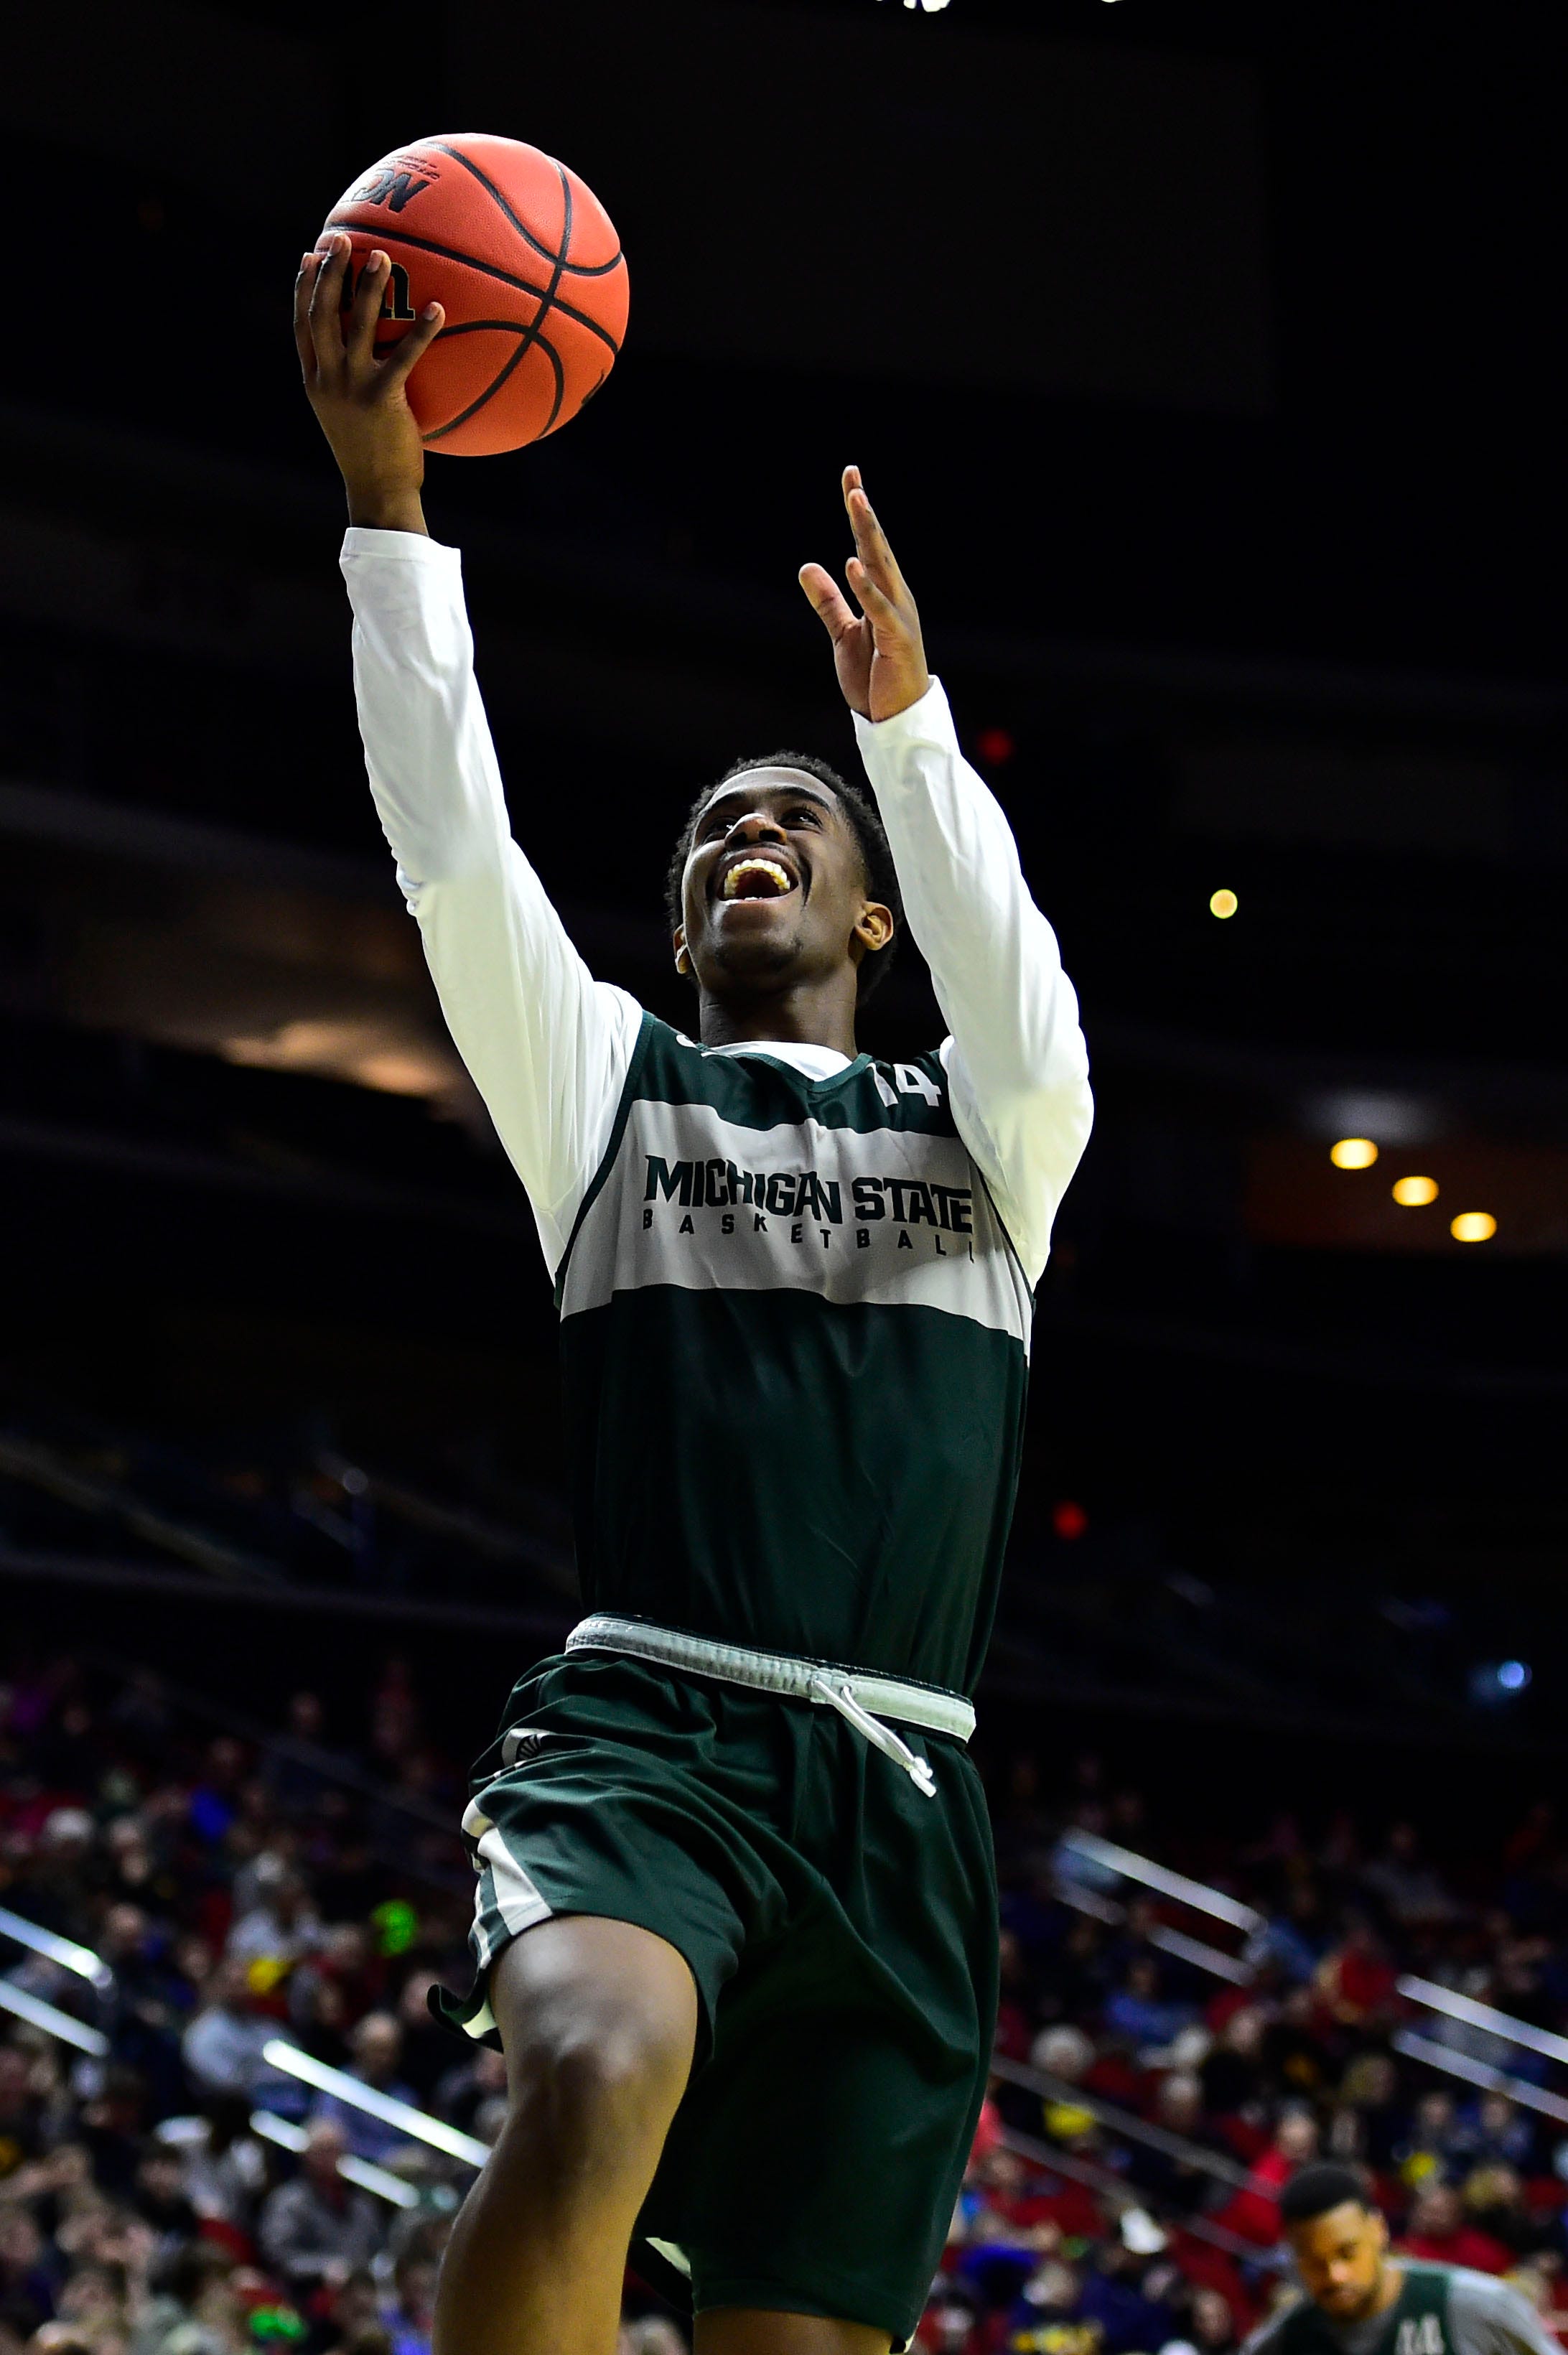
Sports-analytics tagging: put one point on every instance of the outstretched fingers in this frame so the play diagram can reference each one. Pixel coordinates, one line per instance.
(828, 601)
(876, 602)
(871, 547)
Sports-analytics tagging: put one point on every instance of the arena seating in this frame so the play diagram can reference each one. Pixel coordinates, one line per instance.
(227, 2121)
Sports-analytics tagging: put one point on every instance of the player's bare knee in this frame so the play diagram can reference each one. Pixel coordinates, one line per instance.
(594, 2083)
(594, 2058)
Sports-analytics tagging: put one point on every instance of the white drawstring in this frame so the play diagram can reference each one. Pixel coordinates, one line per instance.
(882, 1737)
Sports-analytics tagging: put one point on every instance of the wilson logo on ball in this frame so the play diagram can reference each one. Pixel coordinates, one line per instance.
(393, 190)
(395, 302)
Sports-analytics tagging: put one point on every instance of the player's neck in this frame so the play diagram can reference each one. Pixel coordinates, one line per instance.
(814, 1014)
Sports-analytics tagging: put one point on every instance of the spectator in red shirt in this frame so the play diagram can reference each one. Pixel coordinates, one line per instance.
(1355, 1982)
(1254, 2214)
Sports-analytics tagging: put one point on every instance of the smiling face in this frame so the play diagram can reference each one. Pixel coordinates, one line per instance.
(774, 892)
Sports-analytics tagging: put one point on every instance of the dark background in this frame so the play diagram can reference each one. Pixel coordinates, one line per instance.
(1200, 372)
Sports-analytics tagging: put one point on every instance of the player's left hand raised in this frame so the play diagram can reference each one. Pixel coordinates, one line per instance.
(878, 652)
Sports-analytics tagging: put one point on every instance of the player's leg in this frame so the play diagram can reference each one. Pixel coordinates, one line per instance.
(598, 2020)
(737, 2330)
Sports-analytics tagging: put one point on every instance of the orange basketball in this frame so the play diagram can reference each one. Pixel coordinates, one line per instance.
(525, 261)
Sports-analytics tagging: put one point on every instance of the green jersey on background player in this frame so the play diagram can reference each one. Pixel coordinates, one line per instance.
(1360, 2300)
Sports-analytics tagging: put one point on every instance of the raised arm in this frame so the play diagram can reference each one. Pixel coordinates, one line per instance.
(1016, 1065)
(548, 1046)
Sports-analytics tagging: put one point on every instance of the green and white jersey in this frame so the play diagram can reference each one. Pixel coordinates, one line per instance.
(794, 1287)
(1440, 2311)
(794, 1340)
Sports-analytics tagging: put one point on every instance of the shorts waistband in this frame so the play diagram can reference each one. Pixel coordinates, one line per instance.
(860, 1696)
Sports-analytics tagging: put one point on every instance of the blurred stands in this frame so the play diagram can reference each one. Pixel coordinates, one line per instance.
(1187, 2015)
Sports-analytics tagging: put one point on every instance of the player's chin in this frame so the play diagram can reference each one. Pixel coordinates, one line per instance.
(764, 927)
(755, 951)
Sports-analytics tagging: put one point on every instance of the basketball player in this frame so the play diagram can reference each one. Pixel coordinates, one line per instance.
(1361, 2301)
(736, 1925)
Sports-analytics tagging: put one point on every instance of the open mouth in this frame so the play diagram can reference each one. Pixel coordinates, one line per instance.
(756, 879)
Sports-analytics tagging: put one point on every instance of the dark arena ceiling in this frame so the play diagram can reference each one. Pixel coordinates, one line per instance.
(1200, 374)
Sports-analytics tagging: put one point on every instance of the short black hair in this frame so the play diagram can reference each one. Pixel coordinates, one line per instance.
(876, 852)
(1313, 2191)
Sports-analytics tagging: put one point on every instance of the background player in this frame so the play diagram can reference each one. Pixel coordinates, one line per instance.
(1361, 2301)
(751, 2012)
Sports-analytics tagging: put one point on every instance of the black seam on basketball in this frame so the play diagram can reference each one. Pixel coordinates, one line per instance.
(530, 333)
(528, 338)
(576, 268)
(486, 270)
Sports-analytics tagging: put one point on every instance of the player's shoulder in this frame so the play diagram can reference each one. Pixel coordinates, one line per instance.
(1473, 2292)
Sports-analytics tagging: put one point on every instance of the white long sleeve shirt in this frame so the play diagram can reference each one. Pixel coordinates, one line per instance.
(549, 1048)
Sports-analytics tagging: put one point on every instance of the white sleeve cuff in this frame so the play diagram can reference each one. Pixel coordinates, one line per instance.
(413, 547)
(928, 721)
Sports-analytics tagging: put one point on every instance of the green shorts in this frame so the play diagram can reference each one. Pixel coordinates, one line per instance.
(841, 1928)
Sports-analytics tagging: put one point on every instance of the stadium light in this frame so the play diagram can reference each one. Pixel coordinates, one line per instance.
(279, 2054)
(55, 1949)
(1473, 1227)
(1414, 1193)
(1131, 1867)
(1494, 1683)
(1353, 1152)
(362, 2171)
(1223, 903)
(1435, 1997)
(52, 2020)
(1479, 2073)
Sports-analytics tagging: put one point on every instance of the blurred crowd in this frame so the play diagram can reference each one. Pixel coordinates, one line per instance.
(172, 2191)
(1161, 2075)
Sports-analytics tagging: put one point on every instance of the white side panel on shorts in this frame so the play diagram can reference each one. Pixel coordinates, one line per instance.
(518, 1901)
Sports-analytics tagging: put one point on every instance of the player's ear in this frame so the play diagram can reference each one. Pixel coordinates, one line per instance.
(873, 927)
(682, 953)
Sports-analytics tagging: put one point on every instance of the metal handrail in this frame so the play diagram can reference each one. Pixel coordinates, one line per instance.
(1478, 2072)
(1120, 2121)
(362, 2171)
(1129, 1866)
(55, 1949)
(52, 2020)
(417, 2124)
(1433, 1997)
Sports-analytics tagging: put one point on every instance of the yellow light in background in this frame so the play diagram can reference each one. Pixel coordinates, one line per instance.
(1414, 1193)
(1223, 903)
(1353, 1152)
(1473, 1227)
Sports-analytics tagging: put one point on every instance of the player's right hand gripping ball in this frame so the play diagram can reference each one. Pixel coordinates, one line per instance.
(525, 261)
